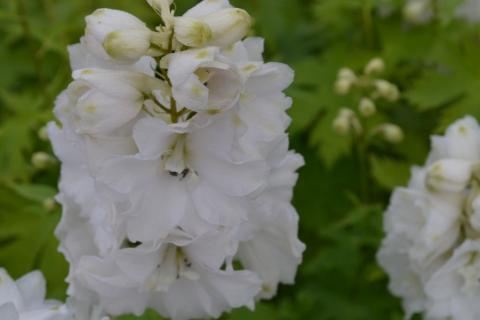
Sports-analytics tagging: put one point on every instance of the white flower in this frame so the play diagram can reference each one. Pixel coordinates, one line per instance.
(431, 230)
(202, 82)
(25, 299)
(100, 101)
(173, 170)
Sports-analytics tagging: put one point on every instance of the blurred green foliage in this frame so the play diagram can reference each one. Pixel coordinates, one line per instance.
(340, 200)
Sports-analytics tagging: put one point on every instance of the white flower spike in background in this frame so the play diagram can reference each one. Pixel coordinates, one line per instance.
(176, 175)
(24, 299)
(431, 250)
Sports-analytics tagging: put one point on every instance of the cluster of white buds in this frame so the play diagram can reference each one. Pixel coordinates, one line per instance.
(176, 179)
(368, 82)
(371, 89)
(432, 250)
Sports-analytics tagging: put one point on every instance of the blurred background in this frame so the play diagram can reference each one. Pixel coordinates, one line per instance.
(360, 129)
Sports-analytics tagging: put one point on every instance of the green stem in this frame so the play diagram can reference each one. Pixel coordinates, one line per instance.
(368, 23)
(27, 32)
(361, 155)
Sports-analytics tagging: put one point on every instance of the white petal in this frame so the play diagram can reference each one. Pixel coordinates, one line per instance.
(8, 312)
(32, 287)
(206, 7)
(158, 210)
(9, 291)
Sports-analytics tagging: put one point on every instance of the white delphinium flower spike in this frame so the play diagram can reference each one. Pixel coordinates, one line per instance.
(176, 180)
(431, 247)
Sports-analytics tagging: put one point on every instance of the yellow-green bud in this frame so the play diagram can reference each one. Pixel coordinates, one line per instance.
(367, 107)
(387, 90)
(49, 204)
(343, 86)
(392, 133)
(450, 175)
(375, 66)
(228, 26)
(347, 74)
(192, 32)
(43, 134)
(42, 160)
(128, 45)
(417, 11)
(341, 125)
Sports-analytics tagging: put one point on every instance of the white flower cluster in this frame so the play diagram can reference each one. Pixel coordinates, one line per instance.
(176, 179)
(24, 299)
(422, 11)
(432, 246)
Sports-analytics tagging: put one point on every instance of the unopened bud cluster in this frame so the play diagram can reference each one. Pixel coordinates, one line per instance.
(371, 89)
(177, 177)
(432, 249)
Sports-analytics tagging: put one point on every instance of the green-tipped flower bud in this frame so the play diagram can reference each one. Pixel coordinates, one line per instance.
(43, 134)
(417, 11)
(42, 160)
(348, 74)
(341, 125)
(343, 86)
(192, 32)
(449, 175)
(367, 107)
(128, 45)
(228, 26)
(392, 133)
(387, 90)
(375, 66)
(49, 204)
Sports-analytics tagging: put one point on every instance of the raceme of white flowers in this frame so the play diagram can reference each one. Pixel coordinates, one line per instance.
(432, 246)
(176, 179)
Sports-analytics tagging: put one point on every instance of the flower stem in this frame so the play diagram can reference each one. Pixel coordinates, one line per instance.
(368, 23)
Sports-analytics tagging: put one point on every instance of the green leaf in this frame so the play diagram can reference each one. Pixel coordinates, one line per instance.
(389, 173)
(28, 242)
(434, 90)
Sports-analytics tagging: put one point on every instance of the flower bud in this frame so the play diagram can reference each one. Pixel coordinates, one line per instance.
(49, 204)
(387, 90)
(347, 74)
(41, 160)
(375, 66)
(392, 133)
(367, 107)
(346, 113)
(43, 134)
(228, 26)
(192, 32)
(343, 86)
(127, 45)
(449, 175)
(417, 11)
(341, 125)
